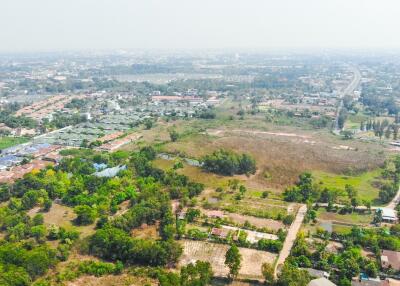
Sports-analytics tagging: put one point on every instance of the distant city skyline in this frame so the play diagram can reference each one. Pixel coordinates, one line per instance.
(61, 25)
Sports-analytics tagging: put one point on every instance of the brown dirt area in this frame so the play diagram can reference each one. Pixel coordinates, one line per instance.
(146, 232)
(112, 280)
(258, 222)
(215, 254)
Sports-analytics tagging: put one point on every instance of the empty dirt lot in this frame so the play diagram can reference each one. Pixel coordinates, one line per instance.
(215, 254)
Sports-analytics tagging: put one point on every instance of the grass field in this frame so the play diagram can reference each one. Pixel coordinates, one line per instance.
(284, 153)
(353, 218)
(63, 216)
(6, 142)
(112, 280)
(366, 183)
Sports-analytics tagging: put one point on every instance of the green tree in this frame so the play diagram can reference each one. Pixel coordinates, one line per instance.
(371, 269)
(166, 228)
(198, 274)
(174, 135)
(39, 232)
(378, 217)
(267, 270)
(233, 261)
(351, 191)
(85, 214)
(293, 276)
(148, 123)
(38, 219)
(192, 214)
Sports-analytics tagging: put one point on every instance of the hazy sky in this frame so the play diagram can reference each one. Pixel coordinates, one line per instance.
(43, 25)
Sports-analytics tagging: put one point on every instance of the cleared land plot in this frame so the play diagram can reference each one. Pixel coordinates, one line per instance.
(215, 254)
(63, 216)
(366, 183)
(250, 207)
(145, 232)
(258, 222)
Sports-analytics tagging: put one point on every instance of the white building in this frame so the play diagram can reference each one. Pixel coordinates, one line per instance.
(388, 215)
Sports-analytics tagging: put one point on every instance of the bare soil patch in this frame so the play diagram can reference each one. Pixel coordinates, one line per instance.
(258, 222)
(63, 216)
(146, 232)
(215, 254)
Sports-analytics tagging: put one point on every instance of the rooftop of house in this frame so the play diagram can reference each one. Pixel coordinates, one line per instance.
(390, 259)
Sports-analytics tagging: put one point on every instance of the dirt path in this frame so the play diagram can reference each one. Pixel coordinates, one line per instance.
(396, 200)
(255, 132)
(290, 238)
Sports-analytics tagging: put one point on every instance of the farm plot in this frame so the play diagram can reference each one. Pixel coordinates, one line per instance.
(215, 254)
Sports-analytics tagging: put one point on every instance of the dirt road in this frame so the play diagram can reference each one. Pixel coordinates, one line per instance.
(395, 201)
(290, 238)
(347, 91)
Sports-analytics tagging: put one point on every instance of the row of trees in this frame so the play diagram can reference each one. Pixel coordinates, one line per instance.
(381, 128)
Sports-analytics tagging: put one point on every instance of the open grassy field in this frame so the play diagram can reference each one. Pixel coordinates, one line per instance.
(6, 142)
(354, 121)
(215, 254)
(367, 184)
(353, 218)
(282, 149)
(282, 156)
(63, 216)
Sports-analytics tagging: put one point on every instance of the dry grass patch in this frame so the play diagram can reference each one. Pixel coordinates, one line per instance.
(112, 280)
(354, 218)
(146, 232)
(63, 216)
(282, 156)
(215, 254)
(258, 222)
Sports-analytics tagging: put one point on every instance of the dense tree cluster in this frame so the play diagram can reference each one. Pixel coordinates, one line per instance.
(16, 121)
(94, 200)
(229, 163)
(379, 104)
(349, 262)
(197, 274)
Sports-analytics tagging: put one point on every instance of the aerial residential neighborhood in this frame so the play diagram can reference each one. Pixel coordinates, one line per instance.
(199, 143)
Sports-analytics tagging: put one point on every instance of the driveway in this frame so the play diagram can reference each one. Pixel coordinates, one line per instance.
(290, 238)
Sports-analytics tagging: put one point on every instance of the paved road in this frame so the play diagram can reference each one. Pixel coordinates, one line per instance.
(290, 238)
(347, 91)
